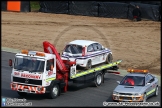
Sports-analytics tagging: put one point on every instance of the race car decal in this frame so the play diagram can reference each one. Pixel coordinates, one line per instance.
(151, 91)
(88, 56)
(50, 79)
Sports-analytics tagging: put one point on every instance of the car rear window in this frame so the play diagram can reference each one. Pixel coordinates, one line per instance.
(74, 49)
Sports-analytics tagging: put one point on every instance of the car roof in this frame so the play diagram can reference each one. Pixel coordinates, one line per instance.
(137, 74)
(82, 42)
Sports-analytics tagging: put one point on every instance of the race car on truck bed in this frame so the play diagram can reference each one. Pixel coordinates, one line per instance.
(87, 53)
(137, 86)
(35, 72)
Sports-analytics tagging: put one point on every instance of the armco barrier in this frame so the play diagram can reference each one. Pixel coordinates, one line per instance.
(16, 6)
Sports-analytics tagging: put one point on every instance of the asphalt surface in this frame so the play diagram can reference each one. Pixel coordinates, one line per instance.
(85, 95)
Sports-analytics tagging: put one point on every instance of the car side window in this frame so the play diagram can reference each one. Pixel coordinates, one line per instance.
(147, 79)
(90, 48)
(97, 47)
(151, 78)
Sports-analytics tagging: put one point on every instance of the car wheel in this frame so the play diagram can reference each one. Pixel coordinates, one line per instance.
(89, 64)
(22, 93)
(98, 79)
(54, 92)
(156, 91)
(144, 98)
(109, 58)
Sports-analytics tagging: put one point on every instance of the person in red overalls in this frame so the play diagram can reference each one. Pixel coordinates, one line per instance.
(129, 81)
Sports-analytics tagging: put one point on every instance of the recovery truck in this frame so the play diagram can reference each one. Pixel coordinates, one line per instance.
(45, 72)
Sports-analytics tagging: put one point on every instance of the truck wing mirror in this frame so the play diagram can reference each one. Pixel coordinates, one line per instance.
(10, 62)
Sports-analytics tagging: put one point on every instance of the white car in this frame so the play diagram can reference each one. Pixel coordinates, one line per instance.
(86, 53)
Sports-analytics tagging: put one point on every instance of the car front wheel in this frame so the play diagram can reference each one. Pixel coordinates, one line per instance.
(54, 92)
(156, 91)
(144, 98)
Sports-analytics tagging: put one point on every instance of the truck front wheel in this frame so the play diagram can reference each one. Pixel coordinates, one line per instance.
(22, 93)
(54, 91)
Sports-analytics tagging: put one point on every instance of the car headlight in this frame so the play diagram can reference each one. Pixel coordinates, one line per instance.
(137, 94)
(115, 93)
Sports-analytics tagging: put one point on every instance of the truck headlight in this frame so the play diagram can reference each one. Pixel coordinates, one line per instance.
(115, 93)
(14, 85)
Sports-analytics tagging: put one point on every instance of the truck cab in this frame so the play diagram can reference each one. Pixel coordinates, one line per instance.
(32, 72)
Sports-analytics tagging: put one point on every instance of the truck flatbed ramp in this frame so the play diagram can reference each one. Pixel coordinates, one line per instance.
(99, 68)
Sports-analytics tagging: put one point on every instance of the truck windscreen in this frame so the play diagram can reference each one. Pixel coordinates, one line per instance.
(31, 64)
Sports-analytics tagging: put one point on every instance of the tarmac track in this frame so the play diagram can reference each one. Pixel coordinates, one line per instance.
(76, 96)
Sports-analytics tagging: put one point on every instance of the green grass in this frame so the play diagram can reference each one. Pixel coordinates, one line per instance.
(34, 6)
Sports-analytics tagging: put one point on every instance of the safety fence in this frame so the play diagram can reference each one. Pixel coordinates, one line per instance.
(150, 10)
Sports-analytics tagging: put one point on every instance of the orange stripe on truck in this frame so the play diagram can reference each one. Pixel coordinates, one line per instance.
(14, 6)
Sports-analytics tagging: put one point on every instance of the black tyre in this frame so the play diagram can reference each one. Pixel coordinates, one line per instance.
(98, 79)
(22, 93)
(109, 58)
(157, 91)
(54, 91)
(89, 64)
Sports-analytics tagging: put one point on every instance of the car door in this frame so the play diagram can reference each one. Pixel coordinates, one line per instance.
(102, 56)
(153, 84)
(148, 84)
(90, 52)
(96, 53)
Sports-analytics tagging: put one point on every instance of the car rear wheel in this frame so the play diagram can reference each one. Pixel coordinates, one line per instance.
(89, 64)
(109, 58)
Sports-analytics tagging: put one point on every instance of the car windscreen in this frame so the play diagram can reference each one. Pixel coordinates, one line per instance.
(133, 81)
(73, 49)
(31, 64)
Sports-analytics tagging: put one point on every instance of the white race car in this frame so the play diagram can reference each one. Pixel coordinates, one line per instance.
(87, 53)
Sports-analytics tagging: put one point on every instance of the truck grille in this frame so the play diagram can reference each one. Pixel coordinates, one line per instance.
(30, 81)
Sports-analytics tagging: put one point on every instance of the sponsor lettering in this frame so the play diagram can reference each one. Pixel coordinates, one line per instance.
(30, 76)
(50, 73)
(16, 73)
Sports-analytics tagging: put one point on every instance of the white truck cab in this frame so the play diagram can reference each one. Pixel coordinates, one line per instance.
(32, 71)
